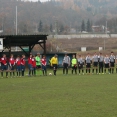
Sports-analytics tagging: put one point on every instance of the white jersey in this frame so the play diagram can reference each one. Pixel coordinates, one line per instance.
(101, 58)
(80, 60)
(88, 59)
(106, 60)
(66, 59)
(112, 58)
(95, 58)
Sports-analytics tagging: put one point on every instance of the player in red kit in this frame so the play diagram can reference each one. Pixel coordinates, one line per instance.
(4, 65)
(44, 63)
(23, 62)
(12, 64)
(33, 66)
(30, 64)
(18, 65)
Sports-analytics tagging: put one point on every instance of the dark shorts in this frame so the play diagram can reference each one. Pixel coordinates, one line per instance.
(4, 67)
(12, 67)
(95, 64)
(18, 68)
(112, 64)
(101, 64)
(74, 67)
(55, 66)
(80, 66)
(34, 68)
(29, 66)
(65, 65)
(107, 65)
(38, 66)
(43, 67)
(22, 67)
(88, 65)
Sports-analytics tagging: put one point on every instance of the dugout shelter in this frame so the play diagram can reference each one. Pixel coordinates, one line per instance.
(21, 41)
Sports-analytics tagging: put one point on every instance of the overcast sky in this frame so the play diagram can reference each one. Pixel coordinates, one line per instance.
(40, 0)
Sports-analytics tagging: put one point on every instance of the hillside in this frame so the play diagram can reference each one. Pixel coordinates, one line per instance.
(97, 8)
(89, 3)
(57, 15)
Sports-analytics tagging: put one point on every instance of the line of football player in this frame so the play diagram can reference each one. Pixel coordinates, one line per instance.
(96, 63)
(34, 62)
(90, 64)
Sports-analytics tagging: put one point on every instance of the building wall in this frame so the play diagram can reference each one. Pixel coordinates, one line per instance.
(83, 36)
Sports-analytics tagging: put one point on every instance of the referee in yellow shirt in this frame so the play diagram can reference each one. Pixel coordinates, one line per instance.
(54, 63)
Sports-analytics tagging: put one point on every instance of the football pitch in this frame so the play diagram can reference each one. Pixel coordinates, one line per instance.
(59, 96)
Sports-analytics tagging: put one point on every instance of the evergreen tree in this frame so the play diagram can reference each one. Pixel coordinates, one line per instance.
(40, 28)
(88, 26)
(83, 26)
(61, 29)
(91, 23)
(51, 28)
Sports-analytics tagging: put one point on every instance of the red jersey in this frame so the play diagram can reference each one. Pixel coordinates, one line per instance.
(4, 61)
(11, 61)
(18, 61)
(33, 62)
(29, 60)
(43, 61)
(23, 62)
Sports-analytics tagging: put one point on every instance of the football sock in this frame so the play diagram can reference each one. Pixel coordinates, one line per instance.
(29, 72)
(112, 70)
(13, 73)
(99, 70)
(19, 73)
(105, 70)
(6, 74)
(46, 72)
(67, 71)
(89, 70)
(79, 71)
(55, 72)
(32, 72)
(63, 71)
(2, 74)
(75, 71)
(43, 72)
(22, 73)
(96, 70)
(10, 74)
(86, 70)
(102, 69)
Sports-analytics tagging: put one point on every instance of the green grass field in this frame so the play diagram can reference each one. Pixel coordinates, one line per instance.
(59, 96)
